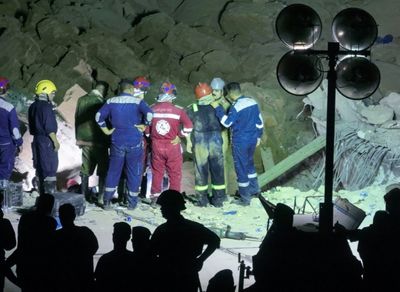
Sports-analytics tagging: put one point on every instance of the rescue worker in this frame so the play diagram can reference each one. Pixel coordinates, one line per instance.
(246, 123)
(141, 83)
(178, 246)
(93, 142)
(206, 143)
(165, 135)
(10, 136)
(125, 114)
(217, 85)
(43, 127)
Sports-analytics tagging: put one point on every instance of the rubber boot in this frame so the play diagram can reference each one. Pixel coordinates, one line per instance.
(50, 187)
(85, 188)
(202, 200)
(100, 195)
(4, 200)
(218, 198)
(107, 205)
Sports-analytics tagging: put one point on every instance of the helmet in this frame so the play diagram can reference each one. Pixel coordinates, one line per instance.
(168, 88)
(217, 84)
(202, 89)
(171, 198)
(45, 86)
(4, 85)
(141, 82)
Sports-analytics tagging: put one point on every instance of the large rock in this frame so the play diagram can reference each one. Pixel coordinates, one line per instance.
(52, 30)
(155, 26)
(200, 13)
(185, 40)
(254, 21)
(113, 55)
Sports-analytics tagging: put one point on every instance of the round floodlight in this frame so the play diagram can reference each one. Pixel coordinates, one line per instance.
(354, 29)
(298, 26)
(299, 74)
(357, 77)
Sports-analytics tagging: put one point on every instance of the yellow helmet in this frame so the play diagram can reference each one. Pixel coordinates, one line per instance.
(45, 86)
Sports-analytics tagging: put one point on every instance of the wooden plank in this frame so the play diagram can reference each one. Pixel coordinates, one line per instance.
(291, 161)
(267, 158)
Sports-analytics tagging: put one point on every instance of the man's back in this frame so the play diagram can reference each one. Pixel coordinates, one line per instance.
(114, 272)
(167, 120)
(247, 117)
(86, 128)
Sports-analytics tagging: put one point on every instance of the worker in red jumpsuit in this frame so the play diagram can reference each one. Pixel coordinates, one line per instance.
(170, 123)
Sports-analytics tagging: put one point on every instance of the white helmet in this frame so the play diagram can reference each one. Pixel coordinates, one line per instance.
(217, 84)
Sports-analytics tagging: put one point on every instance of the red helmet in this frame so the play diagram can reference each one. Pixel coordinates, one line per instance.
(4, 85)
(202, 89)
(141, 82)
(168, 88)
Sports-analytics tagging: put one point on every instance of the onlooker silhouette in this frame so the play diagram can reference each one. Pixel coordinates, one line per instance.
(221, 282)
(277, 258)
(7, 242)
(142, 260)
(113, 271)
(75, 248)
(35, 250)
(178, 245)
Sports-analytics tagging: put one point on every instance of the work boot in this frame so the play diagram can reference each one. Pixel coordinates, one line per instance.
(107, 205)
(202, 200)
(85, 188)
(100, 195)
(50, 187)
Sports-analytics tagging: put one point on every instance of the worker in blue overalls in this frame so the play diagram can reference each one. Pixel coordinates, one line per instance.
(43, 127)
(206, 143)
(10, 136)
(125, 113)
(246, 123)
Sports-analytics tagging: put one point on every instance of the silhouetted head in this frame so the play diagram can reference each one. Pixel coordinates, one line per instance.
(102, 87)
(283, 216)
(171, 202)
(222, 282)
(392, 201)
(140, 237)
(67, 214)
(126, 85)
(381, 219)
(1, 197)
(44, 204)
(233, 90)
(122, 233)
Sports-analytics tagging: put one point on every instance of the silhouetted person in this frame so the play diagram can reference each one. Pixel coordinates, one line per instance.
(75, 248)
(113, 271)
(372, 246)
(7, 242)
(222, 282)
(34, 255)
(276, 260)
(178, 245)
(392, 205)
(142, 259)
(379, 246)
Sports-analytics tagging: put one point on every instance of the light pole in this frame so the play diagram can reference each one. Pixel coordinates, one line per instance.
(299, 27)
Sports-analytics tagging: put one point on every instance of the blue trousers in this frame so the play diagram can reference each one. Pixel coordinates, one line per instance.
(243, 158)
(7, 159)
(130, 159)
(45, 161)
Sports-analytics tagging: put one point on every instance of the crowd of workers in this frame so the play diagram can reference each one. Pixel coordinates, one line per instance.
(117, 134)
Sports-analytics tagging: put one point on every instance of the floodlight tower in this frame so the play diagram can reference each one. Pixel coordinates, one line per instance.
(300, 71)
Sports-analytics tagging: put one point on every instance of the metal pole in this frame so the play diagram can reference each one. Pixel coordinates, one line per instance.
(326, 208)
